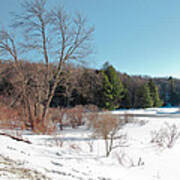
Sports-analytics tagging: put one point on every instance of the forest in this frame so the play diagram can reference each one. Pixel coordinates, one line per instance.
(105, 88)
(42, 69)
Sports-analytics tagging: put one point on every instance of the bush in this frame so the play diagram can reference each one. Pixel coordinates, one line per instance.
(67, 116)
(107, 126)
(91, 108)
(166, 137)
(10, 118)
(75, 116)
(128, 162)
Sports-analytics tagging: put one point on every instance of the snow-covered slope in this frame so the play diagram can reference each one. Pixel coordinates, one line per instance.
(73, 154)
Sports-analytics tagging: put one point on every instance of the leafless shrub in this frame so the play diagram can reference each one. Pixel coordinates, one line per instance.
(56, 141)
(66, 116)
(166, 137)
(11, 118)
(107, 126)
(90, 119)
(40, 128)
(55, 116)
(75, 116)
(91, 108)
(130, 119)
(90, 143)
(128, 162)
(59, 142)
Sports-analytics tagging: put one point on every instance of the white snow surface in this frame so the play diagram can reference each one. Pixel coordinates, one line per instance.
(73, 154)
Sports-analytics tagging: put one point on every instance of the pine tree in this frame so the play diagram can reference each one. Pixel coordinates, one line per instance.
(143, 97)
(107, 96)
(164, 94)
(126, 100)
(173, 95)
(112, 91)
(154, 93)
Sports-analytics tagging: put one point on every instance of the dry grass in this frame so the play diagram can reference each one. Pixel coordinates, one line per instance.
(13, 170)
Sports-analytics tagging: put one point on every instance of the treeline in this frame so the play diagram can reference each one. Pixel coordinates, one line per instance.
(57, 38)
(105, 88)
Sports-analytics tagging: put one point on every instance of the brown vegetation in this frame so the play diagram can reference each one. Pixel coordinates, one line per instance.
(34, 86)
(107, 126)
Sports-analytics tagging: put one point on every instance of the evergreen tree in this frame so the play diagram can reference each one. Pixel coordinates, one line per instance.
(126, 100)
(129, 89)
(154, 94)
(173, 95)
(112, 91)
(143, 97)
(164, 94)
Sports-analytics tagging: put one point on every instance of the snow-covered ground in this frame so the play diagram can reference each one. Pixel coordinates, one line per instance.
(73, 154)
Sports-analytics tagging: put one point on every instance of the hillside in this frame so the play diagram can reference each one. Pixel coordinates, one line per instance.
(74, 154)
(80, 85)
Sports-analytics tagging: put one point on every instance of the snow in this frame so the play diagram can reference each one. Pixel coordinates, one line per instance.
(73, 154)
(163, 110)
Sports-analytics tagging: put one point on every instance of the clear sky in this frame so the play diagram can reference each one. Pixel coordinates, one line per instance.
(139, 37)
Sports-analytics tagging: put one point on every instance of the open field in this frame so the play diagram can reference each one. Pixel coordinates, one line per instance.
(74, 154)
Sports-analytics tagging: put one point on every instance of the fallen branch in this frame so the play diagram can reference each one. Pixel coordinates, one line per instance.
(16, 138)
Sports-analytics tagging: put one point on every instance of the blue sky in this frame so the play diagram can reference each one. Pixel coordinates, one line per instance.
(139, 37)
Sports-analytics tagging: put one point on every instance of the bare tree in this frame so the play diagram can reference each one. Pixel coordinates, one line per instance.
(107, 126)
(8, 46)
(53, 34)
(73, 36)
(89, 86)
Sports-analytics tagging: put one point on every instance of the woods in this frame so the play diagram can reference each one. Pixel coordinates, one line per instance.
(41, 51)
(40, 29)
(105, 88)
